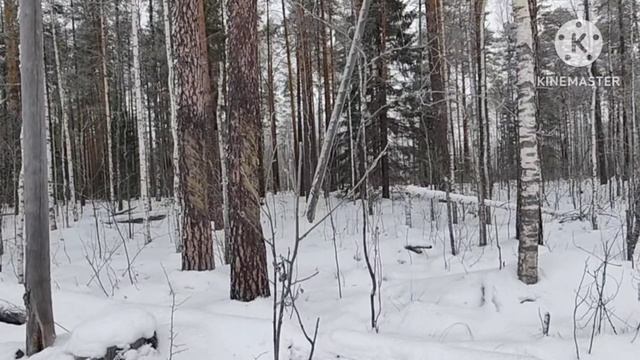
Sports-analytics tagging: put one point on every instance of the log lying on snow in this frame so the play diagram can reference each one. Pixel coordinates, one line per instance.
(129, 217)
(418, 249)
(441, 196)
(137, 220)
(11, 314)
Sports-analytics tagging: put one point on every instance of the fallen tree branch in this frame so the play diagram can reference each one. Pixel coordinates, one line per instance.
(441, 196)
(418, 249)
(137, 220)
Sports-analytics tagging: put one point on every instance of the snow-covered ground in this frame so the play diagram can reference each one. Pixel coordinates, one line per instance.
(433, 306)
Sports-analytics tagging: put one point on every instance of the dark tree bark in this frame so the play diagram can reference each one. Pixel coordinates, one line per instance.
(249, 278)
(275, 170)
(215, 36)
(381, 100)
(193, 98)
(12, 65)
(437, 129)
(40, 326)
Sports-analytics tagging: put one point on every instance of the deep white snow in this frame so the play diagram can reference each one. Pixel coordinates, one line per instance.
(434, 306)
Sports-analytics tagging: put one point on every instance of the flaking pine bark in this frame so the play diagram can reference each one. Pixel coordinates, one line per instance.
(192, 87)
(249, 278)
(529, 158)
(141, 123)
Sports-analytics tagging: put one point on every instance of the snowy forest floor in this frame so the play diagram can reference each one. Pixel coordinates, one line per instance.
(434, 306)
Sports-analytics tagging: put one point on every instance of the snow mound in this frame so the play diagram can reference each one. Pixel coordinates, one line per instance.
(119, 327)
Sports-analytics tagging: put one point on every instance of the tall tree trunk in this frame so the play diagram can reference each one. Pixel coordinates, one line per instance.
(381, 99)
(140, 119)
(249, 278)
(51, 167)
(437, 130)
(40, 326)
(596, 124)
(19, 219)
(292, 102)
(106, 103)
(192, 91)
(481, 167)
(215, 48)
(275, 170)
(529, 159)
(70, 193)
(176, 203)
(12, 80)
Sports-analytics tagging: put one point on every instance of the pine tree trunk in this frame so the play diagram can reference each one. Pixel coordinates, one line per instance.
(437, 130)
(249, 278)
(529, 160)
(215, 40)
(193, 91)
(40, 326)
(140, 119)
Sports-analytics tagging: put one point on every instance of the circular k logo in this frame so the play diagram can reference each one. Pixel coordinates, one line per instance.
(578, 43)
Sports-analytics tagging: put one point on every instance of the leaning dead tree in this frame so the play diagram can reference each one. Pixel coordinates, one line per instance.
(332, 128)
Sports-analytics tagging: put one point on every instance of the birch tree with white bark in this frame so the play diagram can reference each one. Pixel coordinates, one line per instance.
(19, 219)
(141, 123)
(70, 188)
(107, 105)
(530, 171)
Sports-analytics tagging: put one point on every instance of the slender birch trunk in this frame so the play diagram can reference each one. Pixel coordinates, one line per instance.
(141, 122)
(19, 219)
(594, 157)
(594, 138)
(529, 158)
(107, 104)
(176, 204)
(66, 129)
(51, 201)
